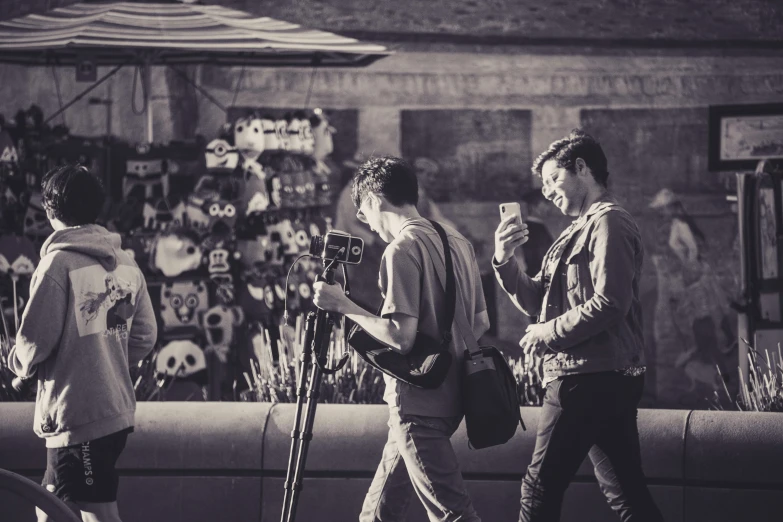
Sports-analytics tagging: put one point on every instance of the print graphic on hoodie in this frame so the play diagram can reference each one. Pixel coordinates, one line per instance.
(105, 299)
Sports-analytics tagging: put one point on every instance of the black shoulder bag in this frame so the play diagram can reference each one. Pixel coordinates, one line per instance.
(428, 362)
(490, 396)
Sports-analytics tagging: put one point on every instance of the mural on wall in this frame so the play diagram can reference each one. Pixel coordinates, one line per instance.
(658, 171)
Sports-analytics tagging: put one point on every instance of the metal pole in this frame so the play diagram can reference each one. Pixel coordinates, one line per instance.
(84, 93)
(147, 79)
(322, 337)
(300, 396)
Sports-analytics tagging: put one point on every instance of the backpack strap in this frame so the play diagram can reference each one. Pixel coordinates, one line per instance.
(453, 304)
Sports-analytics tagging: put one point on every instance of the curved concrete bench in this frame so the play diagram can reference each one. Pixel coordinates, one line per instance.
(227, 461)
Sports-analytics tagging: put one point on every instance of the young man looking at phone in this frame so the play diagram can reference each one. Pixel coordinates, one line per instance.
(589, 331)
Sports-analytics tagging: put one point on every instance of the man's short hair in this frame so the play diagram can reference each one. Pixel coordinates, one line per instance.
(392, 177)
(72, 194)
(578, 144)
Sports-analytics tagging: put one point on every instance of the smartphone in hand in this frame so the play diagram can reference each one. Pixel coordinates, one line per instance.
(510, 209)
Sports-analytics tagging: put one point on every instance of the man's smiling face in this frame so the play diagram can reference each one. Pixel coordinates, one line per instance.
(563, 188)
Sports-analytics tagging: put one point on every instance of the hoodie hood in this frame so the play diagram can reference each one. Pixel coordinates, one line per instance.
(91, 240)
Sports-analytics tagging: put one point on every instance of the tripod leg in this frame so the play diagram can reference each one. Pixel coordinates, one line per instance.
(323, 329)
(307, 352)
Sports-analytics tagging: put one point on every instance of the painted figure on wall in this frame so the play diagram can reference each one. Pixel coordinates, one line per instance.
(691, 328)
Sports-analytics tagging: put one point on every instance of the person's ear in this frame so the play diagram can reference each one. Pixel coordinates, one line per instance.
(580, 166)
(375, 201)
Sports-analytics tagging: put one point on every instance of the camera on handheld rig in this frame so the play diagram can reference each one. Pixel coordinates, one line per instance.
(337, 245)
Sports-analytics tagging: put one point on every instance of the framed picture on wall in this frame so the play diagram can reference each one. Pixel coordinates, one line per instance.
(741, 135)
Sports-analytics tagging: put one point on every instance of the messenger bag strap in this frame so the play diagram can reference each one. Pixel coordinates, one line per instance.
(456, 305)
(450, 284)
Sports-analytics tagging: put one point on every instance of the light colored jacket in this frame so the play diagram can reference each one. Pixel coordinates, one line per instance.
(587, 293)
(88, 318)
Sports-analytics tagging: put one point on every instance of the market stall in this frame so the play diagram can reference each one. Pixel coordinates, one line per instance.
(217, 223)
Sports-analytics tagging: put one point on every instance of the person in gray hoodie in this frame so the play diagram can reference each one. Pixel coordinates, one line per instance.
(89, 318)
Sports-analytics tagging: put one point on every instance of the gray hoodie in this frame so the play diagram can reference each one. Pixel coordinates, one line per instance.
(88, 318)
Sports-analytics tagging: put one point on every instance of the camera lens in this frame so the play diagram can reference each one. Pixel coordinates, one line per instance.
(503, 208)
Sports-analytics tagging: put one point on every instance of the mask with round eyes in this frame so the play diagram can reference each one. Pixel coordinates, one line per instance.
(271, 140)
(288, 195)
(294, 139)
(174, 254)
(222, 211)
(221, 155)
(182, 303)
(249, 137)
(281, 130)
(287, 236)
(301, 237)
(181, 359)
(219, 323)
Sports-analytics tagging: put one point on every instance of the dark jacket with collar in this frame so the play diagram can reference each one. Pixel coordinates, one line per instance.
(587, 293)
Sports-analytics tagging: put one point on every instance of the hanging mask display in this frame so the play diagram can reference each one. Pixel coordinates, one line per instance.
(219, 323)
(146, 168)
(323, 144)
(139, 245)
(255, 251)
(305, 133)
(18, 256)
(9, 156)
(253, 170)
(182, 303)
(249, 137)
(36, 224)
(281, 129)
(207, 213)
(271, 141)
(294, 138)
(255, 197)
(18, 259)
(181, 359)
(275, 190)
(220, 155)
(304, 188)
(174, 253)
(301, 236)
(288, 196)
(284, 233)
(158, 215)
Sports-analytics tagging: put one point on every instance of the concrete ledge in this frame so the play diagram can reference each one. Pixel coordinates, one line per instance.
(227, 461)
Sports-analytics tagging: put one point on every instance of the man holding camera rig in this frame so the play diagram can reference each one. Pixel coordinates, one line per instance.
(88, 318)
(589, 331)
(418, 455)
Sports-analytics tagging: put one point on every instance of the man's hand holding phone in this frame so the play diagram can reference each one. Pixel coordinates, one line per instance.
(511, 232)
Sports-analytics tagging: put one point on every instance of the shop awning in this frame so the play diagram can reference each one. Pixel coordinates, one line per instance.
(113, 33)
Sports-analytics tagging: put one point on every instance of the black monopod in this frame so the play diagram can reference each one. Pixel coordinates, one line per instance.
(318, 333)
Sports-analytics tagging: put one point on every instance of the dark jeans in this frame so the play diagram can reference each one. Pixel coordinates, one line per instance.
(591, 414)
